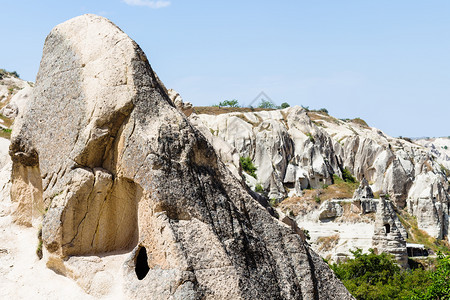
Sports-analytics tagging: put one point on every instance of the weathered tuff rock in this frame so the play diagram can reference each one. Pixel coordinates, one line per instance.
(185, 107)
(101, 152)
(338, 226)
(294, 149)
(363, 191)
(390, 235)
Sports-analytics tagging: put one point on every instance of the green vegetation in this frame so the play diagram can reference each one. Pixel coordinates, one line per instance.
(5, 133)
(247, 166)
(4, 73)
(317, 199)
(347, 176)
(418, 236)
(306, 233)
(273, 202)
(284, 105)
(444, 170)
(439, 287)
(259, 188)
(266, 104)
(229, 103)
(310, 136)
(373, 276)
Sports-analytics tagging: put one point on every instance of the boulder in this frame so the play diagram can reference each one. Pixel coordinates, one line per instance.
(17, 103)
(116, 167)
(329, 210)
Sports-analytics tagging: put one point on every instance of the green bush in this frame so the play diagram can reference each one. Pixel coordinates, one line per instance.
(266, 104)
(439, 284)
(273, 202)
(373, 276)
(347, 176)
(284, 105)
(230, 103)
(259, 188)
(248, 166)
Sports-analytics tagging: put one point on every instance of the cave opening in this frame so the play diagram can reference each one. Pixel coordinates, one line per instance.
(387, 228)
(141, 266)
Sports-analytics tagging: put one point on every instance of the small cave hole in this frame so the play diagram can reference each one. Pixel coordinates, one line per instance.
(387, 228)
(141, 267)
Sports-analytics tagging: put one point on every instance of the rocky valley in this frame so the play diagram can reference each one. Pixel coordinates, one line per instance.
(113, 187)
(117, 191)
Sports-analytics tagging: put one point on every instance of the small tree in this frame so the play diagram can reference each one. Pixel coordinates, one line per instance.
(266, 104)
(284, 105)
(440, 281)
(230, 103)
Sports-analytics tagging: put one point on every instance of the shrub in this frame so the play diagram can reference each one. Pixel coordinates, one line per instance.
(230, 103)
(273, 202)
(377, 276)
(323, 110)
(4, 73)
(284, 105)
(248, 166)
(266, 104)
(306, 233)
(440, 281)
(310, 136)
(347, 176)
(259, 188)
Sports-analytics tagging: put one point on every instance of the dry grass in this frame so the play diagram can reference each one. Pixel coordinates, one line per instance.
(316, 116)
(255, 124)
(311, 199)
(215, 110)
(6, 121)
(360, 121)
(418, 236)
(299, 205)
(326, 243)
(352, 214)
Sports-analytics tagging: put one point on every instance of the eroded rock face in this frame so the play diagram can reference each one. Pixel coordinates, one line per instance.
(114, 166)
(294, 149)
(389, 235)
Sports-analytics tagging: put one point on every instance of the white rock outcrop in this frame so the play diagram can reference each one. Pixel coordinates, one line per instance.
(294, 149)
(105, 162)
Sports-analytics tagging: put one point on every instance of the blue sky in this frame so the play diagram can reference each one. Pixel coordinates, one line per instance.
(384, 61)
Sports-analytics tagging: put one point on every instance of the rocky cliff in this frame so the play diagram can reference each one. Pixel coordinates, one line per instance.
(294, 150)
(113, 172)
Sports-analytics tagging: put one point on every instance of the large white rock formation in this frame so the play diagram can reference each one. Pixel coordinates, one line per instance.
(294, 149)
(106, 163)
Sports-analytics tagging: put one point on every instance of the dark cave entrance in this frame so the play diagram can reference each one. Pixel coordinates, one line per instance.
(141, 267)
(387, 228)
